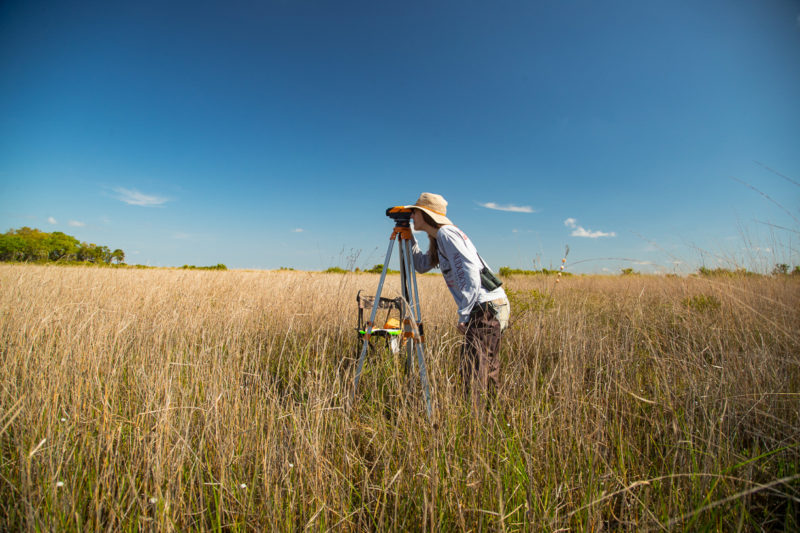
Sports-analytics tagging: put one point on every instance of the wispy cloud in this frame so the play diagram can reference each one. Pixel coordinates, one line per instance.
(510, 207)
(134, 197)
(580, 231)
(298, 230)
(52, 220)
(76, 223)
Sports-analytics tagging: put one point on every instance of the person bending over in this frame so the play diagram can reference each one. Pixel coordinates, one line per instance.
(482, 311)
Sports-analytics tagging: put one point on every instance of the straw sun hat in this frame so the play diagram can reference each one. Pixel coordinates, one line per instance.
(433, 204)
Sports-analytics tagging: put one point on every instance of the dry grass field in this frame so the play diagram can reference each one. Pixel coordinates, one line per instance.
(203, 400)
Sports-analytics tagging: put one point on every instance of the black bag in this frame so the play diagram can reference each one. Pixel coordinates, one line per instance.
(488, 280)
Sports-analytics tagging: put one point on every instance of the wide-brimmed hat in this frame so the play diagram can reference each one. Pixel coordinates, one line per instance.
(433, 204)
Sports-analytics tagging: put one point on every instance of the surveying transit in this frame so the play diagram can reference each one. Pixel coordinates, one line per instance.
(413, 333)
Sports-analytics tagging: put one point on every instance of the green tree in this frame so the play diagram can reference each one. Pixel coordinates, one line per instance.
(105, 254)
(34, 244)
(84, 252)
(780, 269)
(30, 244)
(62, 246)
(94, 253)
(12, 247)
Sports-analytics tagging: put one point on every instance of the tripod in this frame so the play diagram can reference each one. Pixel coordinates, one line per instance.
(413, 333)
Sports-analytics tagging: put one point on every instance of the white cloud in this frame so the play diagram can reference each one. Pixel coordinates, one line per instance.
(298, 230)
(52, 220)
(133, 197)
(510, 207)
(76, 224)
(580, 231)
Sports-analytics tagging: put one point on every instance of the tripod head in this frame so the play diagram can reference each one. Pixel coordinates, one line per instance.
(401, 216)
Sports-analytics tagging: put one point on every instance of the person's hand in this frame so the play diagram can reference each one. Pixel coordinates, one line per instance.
(462, 327)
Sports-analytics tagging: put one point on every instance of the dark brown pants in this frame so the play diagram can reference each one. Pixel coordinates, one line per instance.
(480, 356)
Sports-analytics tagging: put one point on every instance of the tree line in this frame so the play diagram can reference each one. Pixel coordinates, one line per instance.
(26, 244)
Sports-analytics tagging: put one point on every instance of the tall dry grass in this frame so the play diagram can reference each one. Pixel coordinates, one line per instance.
(193, 400)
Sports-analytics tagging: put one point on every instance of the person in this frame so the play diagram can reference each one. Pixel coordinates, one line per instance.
(482, 314)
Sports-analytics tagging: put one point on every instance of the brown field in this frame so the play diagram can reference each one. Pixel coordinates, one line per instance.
(206, 400)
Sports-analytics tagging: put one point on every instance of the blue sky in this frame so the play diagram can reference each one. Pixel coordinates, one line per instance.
(657, 135)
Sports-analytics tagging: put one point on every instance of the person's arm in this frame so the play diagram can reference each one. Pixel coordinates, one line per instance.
(422, 262)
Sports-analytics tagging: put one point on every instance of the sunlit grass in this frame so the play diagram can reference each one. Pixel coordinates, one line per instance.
(206, 400)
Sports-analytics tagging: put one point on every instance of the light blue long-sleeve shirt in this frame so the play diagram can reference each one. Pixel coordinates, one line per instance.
(461, 267)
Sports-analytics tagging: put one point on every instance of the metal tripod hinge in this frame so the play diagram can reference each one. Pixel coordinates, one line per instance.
(413, 334)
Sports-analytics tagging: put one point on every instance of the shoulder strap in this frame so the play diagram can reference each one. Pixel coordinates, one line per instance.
(476, 253)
